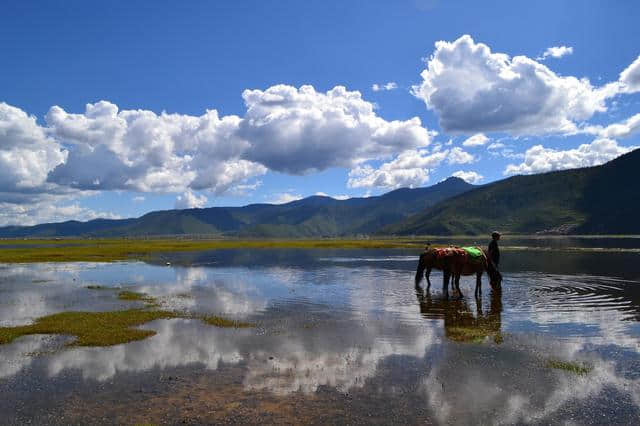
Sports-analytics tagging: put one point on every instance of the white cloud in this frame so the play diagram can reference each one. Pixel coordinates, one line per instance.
(556, 52)
(298, 131)
(470, 176)
(496, 145)
(335, 197)
(539, 159)
(381, 87)
(143, 151)
(630, 77)
(284, 197)
(475, 90)
(245, 188)
(138, 199)
(617, 130)
(27, 154)
(410, 169)
(47, 210)
(459, 156)
(476, 140)
(190, 200)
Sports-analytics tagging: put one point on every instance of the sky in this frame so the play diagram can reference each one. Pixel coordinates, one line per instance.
(115, 109)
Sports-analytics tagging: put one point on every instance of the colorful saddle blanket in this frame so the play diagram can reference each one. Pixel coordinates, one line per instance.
(472, 252)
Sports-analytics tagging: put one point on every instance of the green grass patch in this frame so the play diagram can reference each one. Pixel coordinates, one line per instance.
(134, 296)
(105, 328)
(572, 367)
(224, 322)
(107, 250)
(91, 328)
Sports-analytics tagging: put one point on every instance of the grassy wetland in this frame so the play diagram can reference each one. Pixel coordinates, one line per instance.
(119, 249)
(108, 250)
(202, 331)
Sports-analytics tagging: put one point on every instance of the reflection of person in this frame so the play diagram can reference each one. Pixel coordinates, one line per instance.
(494, 251)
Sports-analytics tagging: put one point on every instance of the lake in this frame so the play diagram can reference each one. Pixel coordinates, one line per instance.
(339, 336)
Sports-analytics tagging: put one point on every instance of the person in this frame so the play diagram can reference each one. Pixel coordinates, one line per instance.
(494, 250)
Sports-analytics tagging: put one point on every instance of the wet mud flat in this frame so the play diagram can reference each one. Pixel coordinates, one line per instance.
(336, 337)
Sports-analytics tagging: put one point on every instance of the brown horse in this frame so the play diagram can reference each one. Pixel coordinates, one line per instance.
(454, 262)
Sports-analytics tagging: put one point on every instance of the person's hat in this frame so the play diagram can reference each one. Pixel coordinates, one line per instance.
(495, 234)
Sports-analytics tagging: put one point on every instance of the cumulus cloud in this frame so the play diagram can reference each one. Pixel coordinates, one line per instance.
(27, 154)
(384, 87)
(459, 156)
(539, 159)
(410, 169)
(299, 131)
(470, 176)
(617, 130)
(143, 151)
(630, 77)
(556, 52)
(190, 200)
(476, 140)
(473, 89)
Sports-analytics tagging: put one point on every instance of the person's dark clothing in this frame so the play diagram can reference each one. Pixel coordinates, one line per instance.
(494, 252)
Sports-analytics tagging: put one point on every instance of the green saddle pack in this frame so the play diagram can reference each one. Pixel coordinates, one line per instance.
(473, 252)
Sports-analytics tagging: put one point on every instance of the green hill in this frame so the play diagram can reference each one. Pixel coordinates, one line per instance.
(594, 200)
(310, 217)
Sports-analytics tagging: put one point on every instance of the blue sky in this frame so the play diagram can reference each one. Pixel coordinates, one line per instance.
(281, 130)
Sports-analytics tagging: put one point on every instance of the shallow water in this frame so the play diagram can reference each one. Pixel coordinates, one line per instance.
(340, 336)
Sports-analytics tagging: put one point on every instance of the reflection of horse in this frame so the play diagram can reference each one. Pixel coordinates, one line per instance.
(460, 324)
(454, 262)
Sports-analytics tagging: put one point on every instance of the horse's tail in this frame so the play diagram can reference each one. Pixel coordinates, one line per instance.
(421, 268)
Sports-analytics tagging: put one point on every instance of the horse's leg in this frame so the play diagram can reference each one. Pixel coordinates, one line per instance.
(446, 274)
(478, 283)
(458, 285)
(426, 274)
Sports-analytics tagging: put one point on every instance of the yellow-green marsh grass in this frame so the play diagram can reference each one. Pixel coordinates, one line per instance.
(572, 367)
(105, 328)
(91, 328)
(106, 250)
(223, 322)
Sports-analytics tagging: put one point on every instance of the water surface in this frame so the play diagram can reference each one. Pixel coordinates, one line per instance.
(340, 336)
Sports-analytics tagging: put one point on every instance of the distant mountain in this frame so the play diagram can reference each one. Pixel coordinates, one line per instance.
(310, 217)
(594, 200)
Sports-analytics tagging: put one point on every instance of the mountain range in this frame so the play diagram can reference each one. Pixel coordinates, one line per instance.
(602, 199)
(592, 200)
(315, 216)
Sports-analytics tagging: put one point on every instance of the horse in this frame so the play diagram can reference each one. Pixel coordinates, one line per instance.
(454, 262)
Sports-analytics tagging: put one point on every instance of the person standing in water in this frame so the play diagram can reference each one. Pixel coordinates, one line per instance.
(494, 250)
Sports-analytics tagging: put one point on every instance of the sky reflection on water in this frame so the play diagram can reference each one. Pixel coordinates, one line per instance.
(348, 322)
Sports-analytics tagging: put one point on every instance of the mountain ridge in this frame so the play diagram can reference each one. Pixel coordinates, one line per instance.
(597, 199)
(314, 216)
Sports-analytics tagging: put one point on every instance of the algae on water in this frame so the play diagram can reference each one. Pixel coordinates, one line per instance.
(572, 367)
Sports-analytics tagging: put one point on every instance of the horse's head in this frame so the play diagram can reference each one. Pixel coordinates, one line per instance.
(426, 262)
